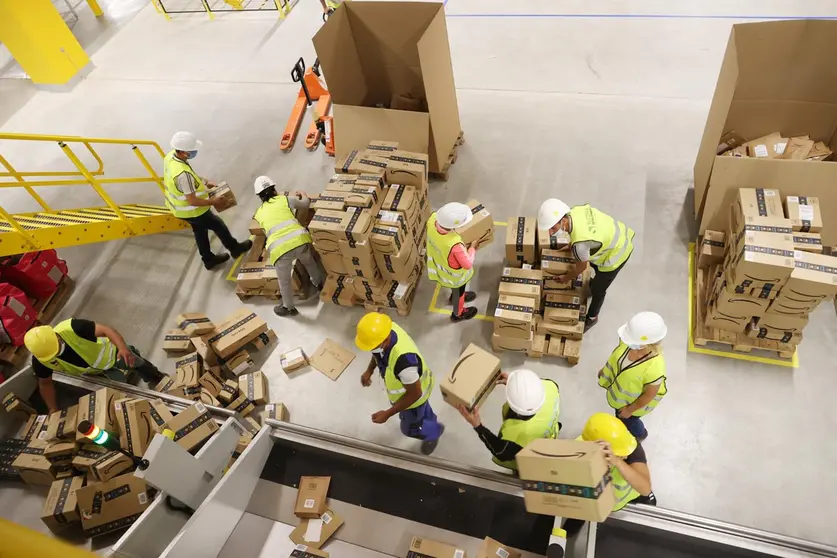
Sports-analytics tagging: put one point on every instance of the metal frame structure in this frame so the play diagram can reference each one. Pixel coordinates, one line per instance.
(283, 7)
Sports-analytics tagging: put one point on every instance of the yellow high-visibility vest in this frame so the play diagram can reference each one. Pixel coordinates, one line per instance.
(175, 199)
(625, 385)
(99, 355)
(615, 237)
(438, 250)
(283, 231)
(622, 490)
(395, 389)
(543, 425)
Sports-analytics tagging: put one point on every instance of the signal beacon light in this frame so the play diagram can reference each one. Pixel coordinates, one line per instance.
(93, 433)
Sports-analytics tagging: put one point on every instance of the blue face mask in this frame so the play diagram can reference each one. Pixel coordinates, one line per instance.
(192, 154)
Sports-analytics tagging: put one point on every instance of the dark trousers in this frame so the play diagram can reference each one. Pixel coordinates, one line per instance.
(209, 221)
(634, 425)
(573, 526)
(146, 370)
(599, 286)
(458, 299)
(420, 423)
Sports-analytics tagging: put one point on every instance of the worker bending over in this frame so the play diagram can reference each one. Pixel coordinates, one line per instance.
(635, 374)
(530, 412)
(449, 262)
(83, 347)
(287, 240)
(407, 378)
(187, 196)
(628, 465)
(596, 238)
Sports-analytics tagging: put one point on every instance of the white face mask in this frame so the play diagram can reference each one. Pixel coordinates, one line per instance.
(378, 351)
(635, 347)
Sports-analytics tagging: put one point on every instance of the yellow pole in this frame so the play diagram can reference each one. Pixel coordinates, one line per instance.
(208, 11)
(21, 231)
(149, 168)
(23, 183)
(19, 541)
(95, 8)
(40, 41)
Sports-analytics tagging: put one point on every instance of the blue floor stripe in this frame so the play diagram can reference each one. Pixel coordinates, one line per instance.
(640, 16)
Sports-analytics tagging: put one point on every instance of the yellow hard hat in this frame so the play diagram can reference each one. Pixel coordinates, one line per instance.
(42, 342)
(610, 429)
(372, 330)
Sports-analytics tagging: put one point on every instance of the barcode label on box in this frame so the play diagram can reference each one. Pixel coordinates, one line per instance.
(527, 266)
(326, 518)
(143, 498)
(793, 199)
(506, 272)
(502, 553)
(761, 151)
(200, 407)
(779, 148)
(309, 503)
(459, 553)
(401, 290)
(806, 212)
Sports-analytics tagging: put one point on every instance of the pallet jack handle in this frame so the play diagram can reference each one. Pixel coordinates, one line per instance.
(316, 67)
(298, 75)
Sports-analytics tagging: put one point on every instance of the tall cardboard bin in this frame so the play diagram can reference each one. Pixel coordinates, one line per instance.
(371, 51)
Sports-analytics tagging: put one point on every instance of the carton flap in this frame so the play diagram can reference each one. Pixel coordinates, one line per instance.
(355, 127)
(339, 59)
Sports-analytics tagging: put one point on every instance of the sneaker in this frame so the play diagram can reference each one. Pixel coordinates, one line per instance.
(242, 248)
(429, 446)
(466, 315)
(285, 312)
(590, 322)
(217, 259)
(470, 296)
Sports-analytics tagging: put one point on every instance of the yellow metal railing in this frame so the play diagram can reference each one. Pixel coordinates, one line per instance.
(81, 176)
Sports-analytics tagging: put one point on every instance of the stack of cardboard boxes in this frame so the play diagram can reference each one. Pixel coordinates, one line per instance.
(257, 277)
(771, 273)
(318, 523)
(774, 146)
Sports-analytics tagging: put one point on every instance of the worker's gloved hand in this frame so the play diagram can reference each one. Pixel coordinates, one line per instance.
(127, 357)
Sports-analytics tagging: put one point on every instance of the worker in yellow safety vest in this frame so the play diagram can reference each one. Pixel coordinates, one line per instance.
(629, 471)
(407, 378)
(187, 196)
(83, 347)
(449, 262)
(531, 412)
(287, 240)
(329, 6)
(596, 238)
(635, 373)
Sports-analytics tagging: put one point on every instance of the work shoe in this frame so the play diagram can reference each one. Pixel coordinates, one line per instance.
(217, 259)
(470, 296)
(242, 248)
(429, 446)
(467, 314)
(285, 312)
(590, 322)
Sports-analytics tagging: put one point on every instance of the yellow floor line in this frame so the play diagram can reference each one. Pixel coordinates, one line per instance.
(793, 363)
(500, 224)
(435, 310)
(233, 274)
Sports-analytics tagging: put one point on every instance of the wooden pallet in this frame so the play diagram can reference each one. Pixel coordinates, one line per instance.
(562, 347)
(443, 175)
(738, 342)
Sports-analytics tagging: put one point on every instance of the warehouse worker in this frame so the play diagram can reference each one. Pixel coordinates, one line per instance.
(530, 412)
(187, 196)
(407, 378)
(628, 465)
(596, 238)
(449, 262)
(77, 346)
(287, 240)
(635, 374)
(329, 6)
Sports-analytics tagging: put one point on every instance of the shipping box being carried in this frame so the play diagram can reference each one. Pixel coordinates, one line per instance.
(481, 228)
(521, 240)
(472, 378)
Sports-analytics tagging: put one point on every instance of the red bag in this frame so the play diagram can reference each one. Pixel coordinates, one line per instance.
(37, 273)
(16, 315)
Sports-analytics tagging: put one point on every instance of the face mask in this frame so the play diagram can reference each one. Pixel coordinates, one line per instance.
(378, 351)
(635, 347)
(192, 154)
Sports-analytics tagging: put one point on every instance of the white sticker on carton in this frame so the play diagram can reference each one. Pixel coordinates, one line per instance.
(314, 530)
(143, 498)
(351, 209)
(200, 407)
(761, 150)
(527, 266)
(459, 553)
(779, 148)
(506, 272)
(769, 193)
(309, 503)
(498, 312)
(241, 367)
(326, 518)
(576, 300)
(292, 355)
(301, 547)
(793, 199)
(42, 435)
(270, 408)
(749, 256)
(484, 213)
(806, 212)
(750, 236)
(798, 255)
(401, 290)
(388, 215)
(502, 553)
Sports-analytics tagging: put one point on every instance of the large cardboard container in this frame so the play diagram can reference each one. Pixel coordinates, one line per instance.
(371, 51)
(775, 76)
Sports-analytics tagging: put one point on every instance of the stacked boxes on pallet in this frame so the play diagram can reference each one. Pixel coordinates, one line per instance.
(772, 273)
(369, 227)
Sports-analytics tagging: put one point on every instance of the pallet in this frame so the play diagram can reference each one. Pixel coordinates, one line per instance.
(568, 349)
(247, 294)
(443, 175)
(738, 342)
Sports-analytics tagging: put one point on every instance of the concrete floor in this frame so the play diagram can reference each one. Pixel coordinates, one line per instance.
(594, 102)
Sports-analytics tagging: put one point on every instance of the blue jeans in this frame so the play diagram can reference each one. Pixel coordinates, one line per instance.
(420, 423)
(634, 425)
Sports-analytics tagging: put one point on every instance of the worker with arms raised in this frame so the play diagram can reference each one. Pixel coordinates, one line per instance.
(596, 238)
(408, 380)
(83, 347)
(531, 412)
(629, 471)
(287, 240)
(187, 196)
(449, 262)
(635, 374)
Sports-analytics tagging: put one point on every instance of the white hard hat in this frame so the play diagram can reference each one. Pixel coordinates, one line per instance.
(645, 328)
(185, 141)
(453, 215)
(262, 183)
(524, 392)
(551, 211)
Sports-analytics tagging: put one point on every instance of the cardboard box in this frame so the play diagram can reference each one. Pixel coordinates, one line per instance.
(177, 341)
(112, 505)
(418, 63)
(251, 275)
(338, 290)
(331, 358)
(731, 303)
(716, 319)
(241, 405)
(420, 547)
(211, 382)
(193, 426)
(752, 204)
(35, 427)
(225, 194)
(770, 334)
(358, 258)
(539, 346)
(204, 350)
(566, 478)
(311, 497)
(87, 455)
(33, 466)
(367, 289)
(359, 162)
(711, 250)
(384, 147)
(303, 551)
(403, 199)
(235, 332)
(256, 252)
(522, 282)
(491, 548)
(804, 213)
(390, 233)
(188, 371)
(396, 294)
(512, 344)
(514, 317)
(207, 398)
(166, 384)
(293, 360)
(61, 508)
(329, 227)
(327, 525)
(135, 426)
(521, 241)
(472, 378)
(263, 340)
(348, 182)
(330, 200)
(808, 242)
(813, 279)
(579, 286)
(780, 321)
(554, 262)
(12, 403)
(400, 266)
(110, 465)
(481, 227)
(97, 408)
(407, 168)
(254, 386)
(60, 451)
(562, 308)
(229, 391)
(274, 411)
(239, 363)
(160, 416)
(762, 259)
(62, 424)
(332, 261)
(194, 323)
(570, 331)
(771, 146)
(559, 241)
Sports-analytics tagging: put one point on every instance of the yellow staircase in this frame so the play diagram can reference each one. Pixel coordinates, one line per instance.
(59, 228)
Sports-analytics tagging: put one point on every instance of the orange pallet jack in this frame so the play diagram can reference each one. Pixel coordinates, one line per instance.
(325, 125)
(311, 89)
